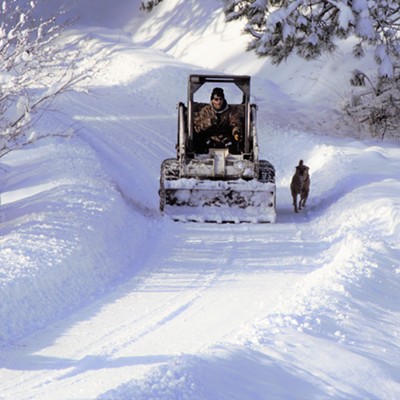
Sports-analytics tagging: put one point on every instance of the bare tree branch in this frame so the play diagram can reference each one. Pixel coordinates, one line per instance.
(35, 68)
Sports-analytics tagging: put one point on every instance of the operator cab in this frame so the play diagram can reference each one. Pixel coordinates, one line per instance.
(237, 95)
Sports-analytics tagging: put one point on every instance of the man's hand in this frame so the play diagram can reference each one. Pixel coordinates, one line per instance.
(236, 134)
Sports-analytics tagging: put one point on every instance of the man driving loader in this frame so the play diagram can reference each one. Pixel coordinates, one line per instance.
(218, 124)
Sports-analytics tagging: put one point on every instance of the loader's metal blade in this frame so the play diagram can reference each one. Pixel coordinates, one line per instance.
(220, 201)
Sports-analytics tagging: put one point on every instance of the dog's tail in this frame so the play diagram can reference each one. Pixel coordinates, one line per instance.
(301, 163)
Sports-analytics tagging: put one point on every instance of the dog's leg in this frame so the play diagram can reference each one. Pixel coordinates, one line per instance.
(304, 197)
(295, 202)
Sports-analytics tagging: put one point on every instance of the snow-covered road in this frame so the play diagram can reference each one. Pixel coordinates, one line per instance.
(202, 284)
(102, 298)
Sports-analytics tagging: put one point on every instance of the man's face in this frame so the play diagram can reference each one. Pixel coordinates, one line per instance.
(217, 102)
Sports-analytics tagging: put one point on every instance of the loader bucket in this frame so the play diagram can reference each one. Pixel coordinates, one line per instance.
(219, 201)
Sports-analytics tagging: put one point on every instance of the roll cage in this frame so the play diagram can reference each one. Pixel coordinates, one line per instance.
(186, 142)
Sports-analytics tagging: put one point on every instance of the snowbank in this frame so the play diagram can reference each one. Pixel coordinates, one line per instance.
(61, 216)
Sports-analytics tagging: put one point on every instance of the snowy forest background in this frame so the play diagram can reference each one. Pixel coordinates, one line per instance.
(34, 67)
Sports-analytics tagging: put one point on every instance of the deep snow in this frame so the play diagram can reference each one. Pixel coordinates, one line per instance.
(103, 298)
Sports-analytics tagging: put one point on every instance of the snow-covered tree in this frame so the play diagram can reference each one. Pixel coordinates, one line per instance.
(311, 27)
(34, 69)
(375, 104)
(148, 5)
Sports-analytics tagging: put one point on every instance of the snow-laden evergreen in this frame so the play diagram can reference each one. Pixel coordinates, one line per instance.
(311, 28)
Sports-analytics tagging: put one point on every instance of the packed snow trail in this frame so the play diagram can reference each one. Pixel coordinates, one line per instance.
(201, 285)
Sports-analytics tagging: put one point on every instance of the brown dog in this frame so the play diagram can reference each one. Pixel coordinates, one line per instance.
(300, 186)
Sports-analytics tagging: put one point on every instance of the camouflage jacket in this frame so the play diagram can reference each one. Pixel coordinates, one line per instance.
(225, 121)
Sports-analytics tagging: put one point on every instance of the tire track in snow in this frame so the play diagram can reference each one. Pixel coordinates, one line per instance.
(204, 281)
(186, 280)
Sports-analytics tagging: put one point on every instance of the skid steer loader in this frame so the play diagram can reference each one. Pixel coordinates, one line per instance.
(217, 182)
